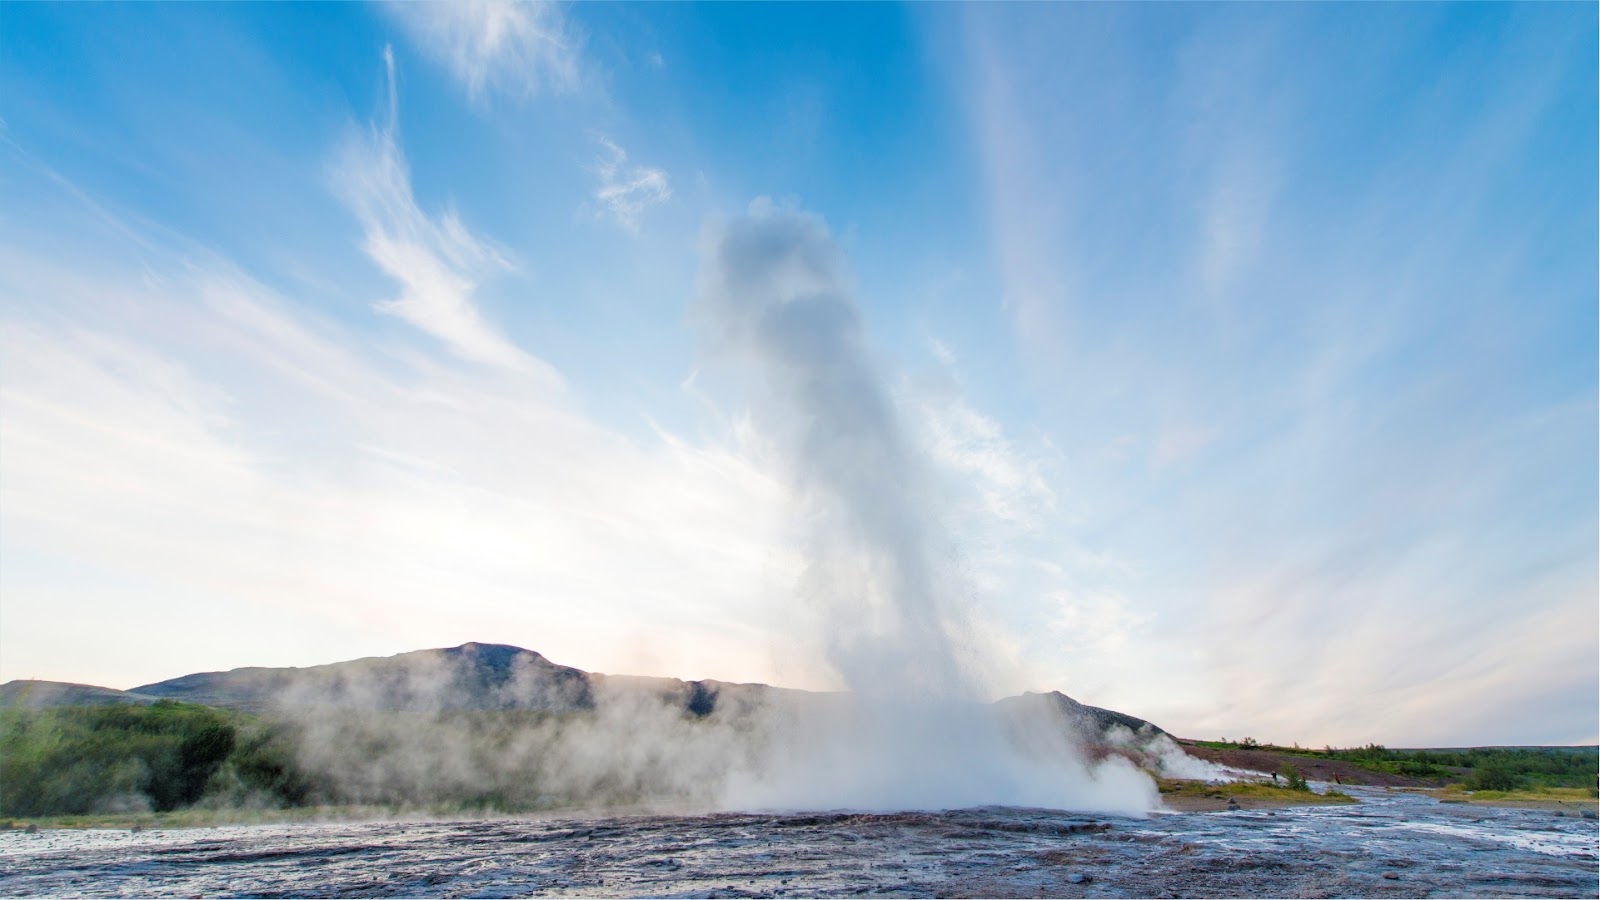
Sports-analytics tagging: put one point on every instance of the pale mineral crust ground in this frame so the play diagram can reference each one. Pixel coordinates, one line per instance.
(1393, 844)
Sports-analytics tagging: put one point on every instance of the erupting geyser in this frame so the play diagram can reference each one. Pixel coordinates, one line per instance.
(776, 296)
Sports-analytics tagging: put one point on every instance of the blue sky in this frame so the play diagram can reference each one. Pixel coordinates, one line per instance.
(1252, 349)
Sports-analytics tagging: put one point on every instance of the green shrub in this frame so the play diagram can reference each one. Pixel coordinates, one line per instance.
(165, 756)
(1493, 777)
(1293, 779)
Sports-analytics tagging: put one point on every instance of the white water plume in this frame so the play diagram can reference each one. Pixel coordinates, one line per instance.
(775, 295)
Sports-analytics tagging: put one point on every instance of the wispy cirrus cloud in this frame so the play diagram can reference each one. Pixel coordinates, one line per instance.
(179, 437)
(436, 260)
(626, 192)
(516, 48)
(1303, 371)
(1009, 482)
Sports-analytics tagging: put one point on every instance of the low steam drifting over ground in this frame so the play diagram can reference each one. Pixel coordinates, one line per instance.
(483, 728)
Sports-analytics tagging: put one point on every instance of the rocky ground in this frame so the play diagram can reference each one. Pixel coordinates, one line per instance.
(1392, 844)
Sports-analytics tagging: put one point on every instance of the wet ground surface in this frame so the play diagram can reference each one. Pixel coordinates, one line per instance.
(1398, 845)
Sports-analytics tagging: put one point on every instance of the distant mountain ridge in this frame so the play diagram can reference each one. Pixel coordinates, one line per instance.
(477, 677)
(472, 676)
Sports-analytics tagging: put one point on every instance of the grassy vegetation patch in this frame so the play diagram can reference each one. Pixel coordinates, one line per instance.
(167, 756)
(1480, 768)
(207, 817)
(127, 765)
(1457, 793)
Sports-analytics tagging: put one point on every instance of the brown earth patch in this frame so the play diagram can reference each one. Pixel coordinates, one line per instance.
(1313, 768)
(1190, 803)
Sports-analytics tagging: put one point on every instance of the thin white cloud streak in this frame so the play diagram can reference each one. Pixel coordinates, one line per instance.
(1102, 623)
(437, 261)
(1236, 124)
(1011, 483)
(1178, 444)
(627, 191)
(516, 48)
(1493, 660)
(1036, 278)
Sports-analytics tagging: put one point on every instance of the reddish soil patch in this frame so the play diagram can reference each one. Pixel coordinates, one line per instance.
(1312, 767)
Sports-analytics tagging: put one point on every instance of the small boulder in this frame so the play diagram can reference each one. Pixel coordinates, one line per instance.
(31, 829)
(1079, 878)
(1588, 814)
(1392, 876)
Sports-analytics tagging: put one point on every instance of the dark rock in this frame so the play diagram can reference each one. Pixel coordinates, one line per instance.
(1392, 876)
(1079, 878)
(1089, 722)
